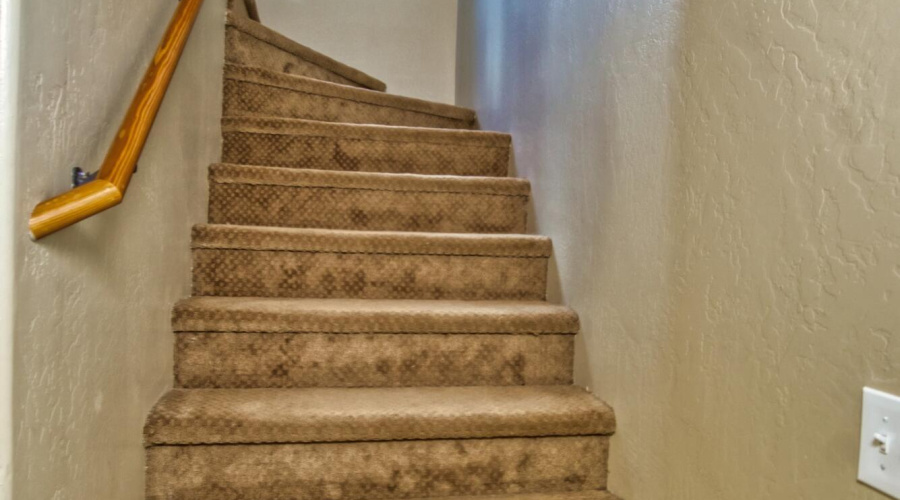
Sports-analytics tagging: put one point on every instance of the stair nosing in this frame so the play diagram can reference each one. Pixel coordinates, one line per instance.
(224, 236)
(341, 415)
(233, 173)
(371, 132)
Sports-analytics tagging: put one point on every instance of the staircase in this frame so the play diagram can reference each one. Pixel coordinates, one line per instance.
(368, 320)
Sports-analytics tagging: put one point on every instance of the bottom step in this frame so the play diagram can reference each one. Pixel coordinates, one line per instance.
(376, 444)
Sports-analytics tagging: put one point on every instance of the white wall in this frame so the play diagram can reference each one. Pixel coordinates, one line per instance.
(408, 44)
(93, 347)
(9, 66)
(722, 183)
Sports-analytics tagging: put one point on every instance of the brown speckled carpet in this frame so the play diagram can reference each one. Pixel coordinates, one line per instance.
(368, 319)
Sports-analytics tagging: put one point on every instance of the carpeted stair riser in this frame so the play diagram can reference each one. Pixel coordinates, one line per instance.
(241, 261)
(377, 470)
(242, 272)
(364, 148)
(256, 92)
(258, 360)
(252, 44)
(267, 196)
(227, 342)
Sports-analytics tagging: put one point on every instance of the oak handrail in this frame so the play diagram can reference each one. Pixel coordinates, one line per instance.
(108, 188)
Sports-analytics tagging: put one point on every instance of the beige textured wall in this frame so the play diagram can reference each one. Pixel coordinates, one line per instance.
(9, 52)
(93, 343)
(722, 182)
(408, 44)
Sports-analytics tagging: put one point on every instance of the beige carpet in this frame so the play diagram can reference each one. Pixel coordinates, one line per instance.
(368, 319)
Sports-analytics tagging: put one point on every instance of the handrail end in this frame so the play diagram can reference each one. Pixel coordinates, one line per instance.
(73, 206)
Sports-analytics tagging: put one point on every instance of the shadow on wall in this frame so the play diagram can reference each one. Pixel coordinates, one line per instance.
(721, 183)
(584, 91)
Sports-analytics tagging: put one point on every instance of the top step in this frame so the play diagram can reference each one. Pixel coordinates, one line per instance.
(249, 43)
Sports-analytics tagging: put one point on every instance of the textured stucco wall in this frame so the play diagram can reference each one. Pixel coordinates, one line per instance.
(9, 52)
(722, 183)
(408, 44)
(93, 343)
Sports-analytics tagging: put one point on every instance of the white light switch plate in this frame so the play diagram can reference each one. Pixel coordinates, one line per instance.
(879, 443)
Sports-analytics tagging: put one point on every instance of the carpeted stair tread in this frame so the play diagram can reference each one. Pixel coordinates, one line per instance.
(285, 197)
(297, 143)
(254, 314)
(247, 261)
(251, 91)
(252, 44)
(219, 236)
(243, 342)
(245, 416)
(251, 174)
(575, 495)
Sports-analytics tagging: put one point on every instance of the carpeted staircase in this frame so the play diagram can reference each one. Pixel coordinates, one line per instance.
(368, 320)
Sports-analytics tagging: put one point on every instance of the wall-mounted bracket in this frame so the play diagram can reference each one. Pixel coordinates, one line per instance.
(80, 177)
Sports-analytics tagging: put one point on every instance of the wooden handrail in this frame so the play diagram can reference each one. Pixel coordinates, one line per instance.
(108, 188)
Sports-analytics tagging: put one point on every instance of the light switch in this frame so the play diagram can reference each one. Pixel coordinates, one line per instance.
(879, 452)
